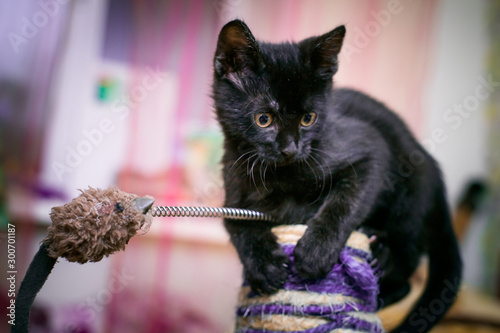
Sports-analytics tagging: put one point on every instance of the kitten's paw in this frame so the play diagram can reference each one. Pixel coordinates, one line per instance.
(268, 273)
(315, 254)
(382, 257)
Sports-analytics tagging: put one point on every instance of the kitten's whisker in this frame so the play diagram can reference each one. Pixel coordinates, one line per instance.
(253, 177)
(352, 166)
(329, 172)
(246, 106)
(323, 177)
(251, 125)
(320, 165)
(321, 151)
(345, 157)
(253, 165)
(239, 158)
(248, 162)
(314, 173)
(251, 173)
(261, 177)
(273, 170)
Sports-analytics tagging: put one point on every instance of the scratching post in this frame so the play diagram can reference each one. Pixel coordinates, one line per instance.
(344, 301)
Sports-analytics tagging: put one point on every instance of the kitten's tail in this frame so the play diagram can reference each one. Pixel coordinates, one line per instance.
(445, 273)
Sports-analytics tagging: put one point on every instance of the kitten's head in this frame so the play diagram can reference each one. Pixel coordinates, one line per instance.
(271, 98)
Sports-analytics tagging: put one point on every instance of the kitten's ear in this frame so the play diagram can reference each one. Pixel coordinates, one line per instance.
(237, 49)
(325, 51)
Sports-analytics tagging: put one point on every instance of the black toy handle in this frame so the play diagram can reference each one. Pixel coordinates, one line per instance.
(35, 277)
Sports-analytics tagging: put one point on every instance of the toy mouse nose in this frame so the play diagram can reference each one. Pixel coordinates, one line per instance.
(143, 204)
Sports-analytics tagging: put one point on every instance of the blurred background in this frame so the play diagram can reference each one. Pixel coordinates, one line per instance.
(96, 93)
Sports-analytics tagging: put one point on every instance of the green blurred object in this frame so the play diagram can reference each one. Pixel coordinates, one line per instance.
(108, 89)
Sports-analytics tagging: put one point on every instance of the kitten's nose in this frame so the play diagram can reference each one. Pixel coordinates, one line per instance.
(289, 151)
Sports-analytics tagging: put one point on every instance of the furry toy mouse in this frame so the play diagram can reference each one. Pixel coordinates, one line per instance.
(95, 224)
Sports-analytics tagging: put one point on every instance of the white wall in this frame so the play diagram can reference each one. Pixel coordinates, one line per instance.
(458, 138)
(68, 156)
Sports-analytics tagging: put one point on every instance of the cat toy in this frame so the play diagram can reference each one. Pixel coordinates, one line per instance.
(98, 223)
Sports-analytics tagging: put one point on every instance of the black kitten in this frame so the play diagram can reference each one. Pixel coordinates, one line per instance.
(335, 160)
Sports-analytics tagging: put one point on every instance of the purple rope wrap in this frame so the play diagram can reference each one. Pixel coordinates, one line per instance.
(351, 276)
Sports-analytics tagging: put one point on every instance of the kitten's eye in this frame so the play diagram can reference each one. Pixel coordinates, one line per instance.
(119, 207)
(263, 119)
(308, 119)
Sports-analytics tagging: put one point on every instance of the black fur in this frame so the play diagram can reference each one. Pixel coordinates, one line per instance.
(356, 166)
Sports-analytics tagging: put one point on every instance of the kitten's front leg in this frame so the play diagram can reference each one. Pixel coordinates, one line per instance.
(319, 249)
(343, 210)
(264, 262)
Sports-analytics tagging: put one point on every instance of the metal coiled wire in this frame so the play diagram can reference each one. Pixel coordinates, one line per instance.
(224, 212)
